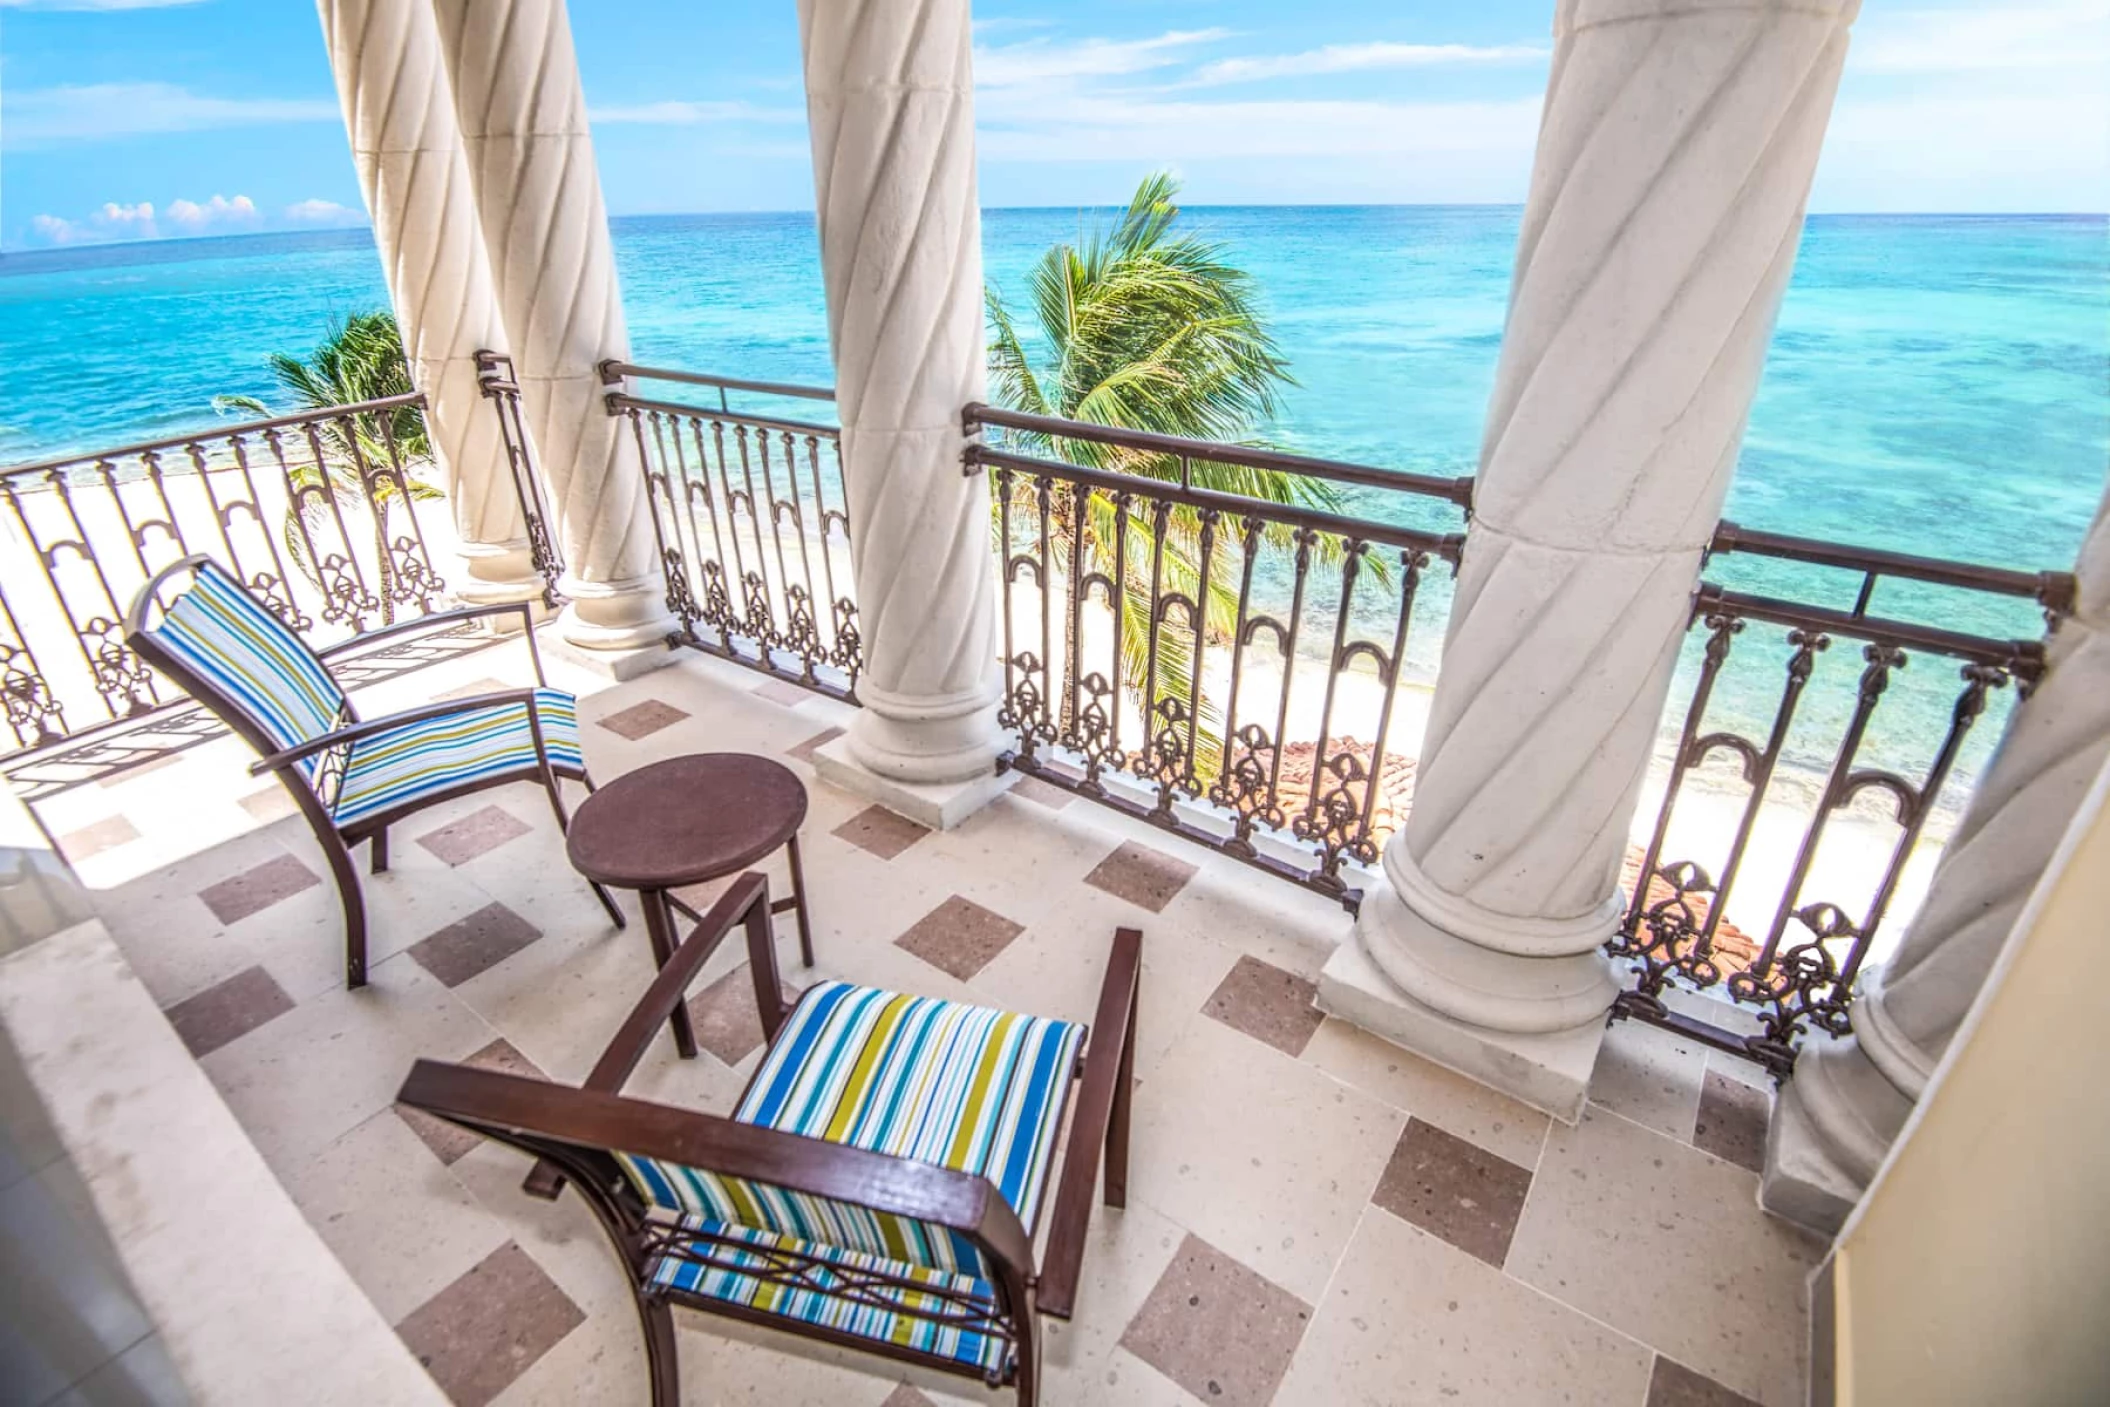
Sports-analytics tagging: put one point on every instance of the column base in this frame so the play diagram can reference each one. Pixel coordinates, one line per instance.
(1832, 1126)
(619, 665)
(938, 805)
(500, 574)
(1801, 1183)
(1549, 1071)
(615, 615)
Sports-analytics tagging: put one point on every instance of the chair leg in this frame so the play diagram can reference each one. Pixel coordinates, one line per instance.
(378, 852)
(348, 891)
(657, 1320)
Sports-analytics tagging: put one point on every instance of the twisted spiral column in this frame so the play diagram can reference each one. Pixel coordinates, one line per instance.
(537, 189)
(1674, 160)
(1839, 1115)
(889, 95)
(407, 146)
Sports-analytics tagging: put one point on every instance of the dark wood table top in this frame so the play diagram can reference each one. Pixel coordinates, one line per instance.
(683, 820)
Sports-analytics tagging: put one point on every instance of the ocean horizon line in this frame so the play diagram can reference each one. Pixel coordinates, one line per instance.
(57, 253)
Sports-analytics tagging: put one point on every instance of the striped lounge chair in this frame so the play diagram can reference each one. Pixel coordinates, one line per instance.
(351, 777)
(877, 1186)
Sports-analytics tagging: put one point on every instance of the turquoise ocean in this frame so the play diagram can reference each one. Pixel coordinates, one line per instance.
(1936, 384)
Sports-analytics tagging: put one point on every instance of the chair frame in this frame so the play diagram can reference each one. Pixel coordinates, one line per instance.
(338, 841)
(574, 1134)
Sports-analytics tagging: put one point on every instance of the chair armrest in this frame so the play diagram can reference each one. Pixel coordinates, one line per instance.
(372, 726)
(748, 901)
(432, 621)
(549, 1120)
(1108, 1061)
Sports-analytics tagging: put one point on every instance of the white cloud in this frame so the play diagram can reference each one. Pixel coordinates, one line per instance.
(218, 213)
(43, 117)
(1038, 62)
(2066, 34)
(689, 114)
(114, 221)
(323, 212)
(93, 4)
(1361, 58)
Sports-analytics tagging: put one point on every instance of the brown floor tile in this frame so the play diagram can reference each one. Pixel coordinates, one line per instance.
(805, 750)
(724, 1016)
(273, 803)
(1732, 1122)
(140, 769)
(1267, 1004)
(906, 1395)
(1675, 1385)
(881, 831)
(1455, 1190)
(466, 947)
(1219, 1330)
(470, 690)
(106, 834)
(449, 1142)
(476, 834)
(229, 1011)
(959, 937)
(1142, 876)
(483, 1331)
(641, 720)
(255, 890)
(1042, 793)
(783, 691)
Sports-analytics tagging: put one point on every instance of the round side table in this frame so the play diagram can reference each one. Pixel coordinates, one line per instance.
(687, 820)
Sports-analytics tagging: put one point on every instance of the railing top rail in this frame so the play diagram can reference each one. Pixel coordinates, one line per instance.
(2052, 589)
(619, 400)
(1445, 545)
(1458, 491)
(2025, 655)
(615, 370)
(220, 432)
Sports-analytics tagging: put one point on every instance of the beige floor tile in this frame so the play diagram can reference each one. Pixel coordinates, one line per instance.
(603, 1360)
(560, 998)
(1262, 1156)
(727, 1364)
(1429, 1092)
(1412, 1321)
(1623, 1220)
(1122, 1380)
(1650, 1075)
(302, 1081)
(1057, 966)
(1292, 928)
(400, 1222)
(561, 1236)
(1125, 1251)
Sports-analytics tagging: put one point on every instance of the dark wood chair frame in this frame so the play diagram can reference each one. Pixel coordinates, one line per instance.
(575, 1133)
(337, 841)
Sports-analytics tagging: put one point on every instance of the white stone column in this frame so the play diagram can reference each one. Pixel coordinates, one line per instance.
(1848, 1099)
(890, 98)
(538, 199)
(1674, 159)
(407, 147)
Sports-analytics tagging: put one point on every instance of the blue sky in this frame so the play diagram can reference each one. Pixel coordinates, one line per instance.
(220, 114)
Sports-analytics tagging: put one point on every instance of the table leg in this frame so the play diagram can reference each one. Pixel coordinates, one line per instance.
(659, 924)
(798, 895)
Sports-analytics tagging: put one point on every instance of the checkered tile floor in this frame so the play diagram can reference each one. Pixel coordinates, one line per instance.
(1314, 1217)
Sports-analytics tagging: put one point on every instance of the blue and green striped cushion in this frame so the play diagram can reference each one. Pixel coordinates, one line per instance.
(965, 1087)
(227, 637)
(434, 755)
(717, 1270)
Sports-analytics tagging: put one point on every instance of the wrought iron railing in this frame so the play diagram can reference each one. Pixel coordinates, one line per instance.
(494, 377)
(1851, 746)
(316, 512)
(1186, 642)
(752, 523)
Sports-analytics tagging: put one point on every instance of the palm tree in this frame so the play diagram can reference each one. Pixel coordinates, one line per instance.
(361, 360)
(1149, 328)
